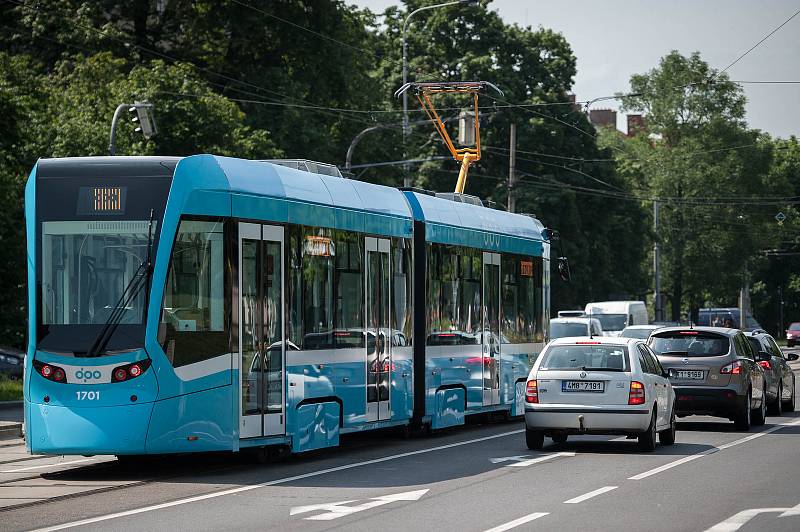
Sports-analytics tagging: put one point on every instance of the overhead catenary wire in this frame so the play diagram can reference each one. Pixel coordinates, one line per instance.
(756, 45)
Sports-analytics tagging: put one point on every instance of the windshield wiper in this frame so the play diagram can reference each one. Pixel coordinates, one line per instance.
(140, 279)
(587, 368)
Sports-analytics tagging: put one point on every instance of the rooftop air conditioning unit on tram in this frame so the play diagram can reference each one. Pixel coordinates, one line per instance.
(305, 165)
(460, 198)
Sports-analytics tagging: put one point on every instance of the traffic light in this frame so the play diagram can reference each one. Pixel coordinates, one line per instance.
(144, 119)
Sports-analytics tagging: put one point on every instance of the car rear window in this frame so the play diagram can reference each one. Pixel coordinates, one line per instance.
(585, 357)
(563, 330)
(794, 327)
(690, 343)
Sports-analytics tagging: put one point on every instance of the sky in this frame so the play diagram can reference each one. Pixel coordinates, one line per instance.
(613, 39)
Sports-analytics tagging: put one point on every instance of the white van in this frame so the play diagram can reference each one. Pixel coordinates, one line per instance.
(616, 315)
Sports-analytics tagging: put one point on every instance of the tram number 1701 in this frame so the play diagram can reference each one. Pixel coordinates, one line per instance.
(91, 396)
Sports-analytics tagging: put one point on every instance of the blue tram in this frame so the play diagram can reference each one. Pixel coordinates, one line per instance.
(209, 303)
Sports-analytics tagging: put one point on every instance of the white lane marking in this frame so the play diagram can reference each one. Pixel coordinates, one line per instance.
(337, 509)
(737, 521)
(21, 469)
(285, 480)
(516, 522)
(526, 463)
(591, 494)
(524, 460)
(713, 450)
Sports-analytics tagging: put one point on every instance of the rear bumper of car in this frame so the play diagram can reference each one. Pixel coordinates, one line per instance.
(720, 402)
(577, 419)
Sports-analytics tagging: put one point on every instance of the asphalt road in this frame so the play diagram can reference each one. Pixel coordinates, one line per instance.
(479, 477)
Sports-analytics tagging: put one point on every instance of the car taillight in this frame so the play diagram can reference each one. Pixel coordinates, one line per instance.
(765, 364)
(532, 392)
(734, 368)
(130, 371)
(636, 395)
(50, 372)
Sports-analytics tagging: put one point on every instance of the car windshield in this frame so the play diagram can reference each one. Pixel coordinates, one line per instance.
(582, 356)
(563, 330)
(612, 322)
(86, 265)
(690, 343)
(642, 334)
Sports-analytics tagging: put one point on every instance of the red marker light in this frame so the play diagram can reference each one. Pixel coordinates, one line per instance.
(120, 374)
(135, 370)
(58, 375)
(689, 332)
(765, 364)
(636, 395)
(47, 371)
(587, 343)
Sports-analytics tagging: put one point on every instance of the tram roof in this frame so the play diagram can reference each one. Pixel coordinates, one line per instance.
(267, 179)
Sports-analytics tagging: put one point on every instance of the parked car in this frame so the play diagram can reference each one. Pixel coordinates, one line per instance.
(566, 327)
(616, 315)
(793, 334)
(714, 372)
(779, 376)
(599, 386)
(11, 362)
(641, 332)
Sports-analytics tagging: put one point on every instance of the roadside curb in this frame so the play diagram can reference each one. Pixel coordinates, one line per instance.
(10, 430)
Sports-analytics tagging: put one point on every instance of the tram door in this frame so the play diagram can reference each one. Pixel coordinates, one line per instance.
(261, 331)
(491, 329)
(379, 335)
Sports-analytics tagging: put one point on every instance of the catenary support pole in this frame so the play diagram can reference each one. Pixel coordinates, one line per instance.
(512, 163)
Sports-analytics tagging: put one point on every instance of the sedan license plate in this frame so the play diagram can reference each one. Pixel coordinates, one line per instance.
(582, 386)
(689, 374)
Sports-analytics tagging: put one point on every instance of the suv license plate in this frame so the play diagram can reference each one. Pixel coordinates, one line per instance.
(582, 386)
(689, 375)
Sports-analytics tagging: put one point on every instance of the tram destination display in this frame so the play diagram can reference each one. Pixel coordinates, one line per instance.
(101, 201)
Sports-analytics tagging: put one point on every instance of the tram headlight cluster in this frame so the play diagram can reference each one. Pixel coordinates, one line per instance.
(130, 371)
(50, 372)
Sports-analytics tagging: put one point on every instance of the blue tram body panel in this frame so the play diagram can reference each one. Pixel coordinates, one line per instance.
(196, 407)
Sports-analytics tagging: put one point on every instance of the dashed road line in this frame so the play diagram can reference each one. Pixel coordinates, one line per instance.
(517, 522)
(587, 496)
(713, 450)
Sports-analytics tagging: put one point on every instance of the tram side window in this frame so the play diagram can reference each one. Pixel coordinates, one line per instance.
(312, 252)
(402, 295)
(193, 325)
(349, 279)
(521, 297)
(454, 295)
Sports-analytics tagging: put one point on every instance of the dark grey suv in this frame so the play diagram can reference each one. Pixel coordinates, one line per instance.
(713, 371)
(779, 376)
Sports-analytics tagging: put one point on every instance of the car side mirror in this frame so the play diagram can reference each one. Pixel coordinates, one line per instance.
(763, 355)
(792, 356)
(563, 269)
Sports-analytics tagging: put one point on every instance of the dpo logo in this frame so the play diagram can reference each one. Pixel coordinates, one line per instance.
(87, 375)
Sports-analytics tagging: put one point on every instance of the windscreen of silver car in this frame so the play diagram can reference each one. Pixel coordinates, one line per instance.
(565, 330)
(690, 343)
(586, 357)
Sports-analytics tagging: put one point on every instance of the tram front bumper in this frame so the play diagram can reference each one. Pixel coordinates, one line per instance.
(88, 430)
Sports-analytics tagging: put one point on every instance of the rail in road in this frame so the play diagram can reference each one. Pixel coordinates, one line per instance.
(480, 477)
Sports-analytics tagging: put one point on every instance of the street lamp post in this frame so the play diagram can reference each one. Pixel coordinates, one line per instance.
(406, 177)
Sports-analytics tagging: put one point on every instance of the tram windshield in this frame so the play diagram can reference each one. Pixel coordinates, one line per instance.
(86, 266)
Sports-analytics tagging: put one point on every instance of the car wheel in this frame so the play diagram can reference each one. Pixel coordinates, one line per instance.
(742, 420)
(667, 436)
(777, 406)
(534, 439)
(647, 439)
(760, 415)
(560, 438)
(789, 405)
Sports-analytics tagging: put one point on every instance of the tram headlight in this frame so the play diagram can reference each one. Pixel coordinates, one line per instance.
(50, 372)
(130, 371)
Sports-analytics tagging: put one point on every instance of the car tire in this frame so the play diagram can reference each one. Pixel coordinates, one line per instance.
(560, 439)
(667, 436)
(647, 439)
(760, 415)
(534, 439)
(788, 406)
(742, 420)
(776, 408)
